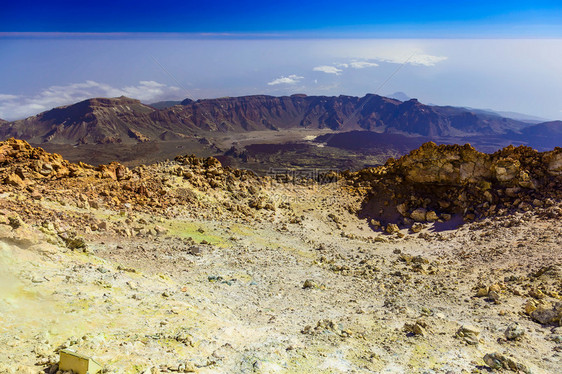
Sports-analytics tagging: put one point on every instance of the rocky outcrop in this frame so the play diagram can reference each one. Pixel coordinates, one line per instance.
(209, 173)
(17, 157)
(34, 174)
(434, 183)
(431, 184)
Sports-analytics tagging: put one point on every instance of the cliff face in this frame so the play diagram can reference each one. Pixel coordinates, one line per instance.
(371, 112)
(437, 182)
(127, 120)
(261, 112)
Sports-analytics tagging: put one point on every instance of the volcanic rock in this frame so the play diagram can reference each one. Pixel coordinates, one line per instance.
(447, 180)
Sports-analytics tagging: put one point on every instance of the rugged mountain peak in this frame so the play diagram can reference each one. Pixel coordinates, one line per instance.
(89, 105)
(96, 120)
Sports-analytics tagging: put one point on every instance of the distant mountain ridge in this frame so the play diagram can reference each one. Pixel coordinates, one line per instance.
(125, 120)
(521, 116)
(548, 134)
(527, 118)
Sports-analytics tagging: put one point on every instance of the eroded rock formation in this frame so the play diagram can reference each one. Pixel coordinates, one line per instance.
(437, 182)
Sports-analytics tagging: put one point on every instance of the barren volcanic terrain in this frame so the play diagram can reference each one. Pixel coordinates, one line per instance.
(259, 132)
(446, 260)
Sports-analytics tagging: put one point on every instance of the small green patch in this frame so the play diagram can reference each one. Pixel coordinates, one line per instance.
(185, 230)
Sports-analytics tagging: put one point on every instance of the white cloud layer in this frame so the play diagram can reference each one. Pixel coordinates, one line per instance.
(4, 97)
(413, 59)
(338, 68)
(328, 69)
(362, 64)
(14, 107)
(291, 79)
(412, 52)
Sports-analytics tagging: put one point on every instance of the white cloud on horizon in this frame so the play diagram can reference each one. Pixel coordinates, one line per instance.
(362, 64)
(328, 69)
(412, 52)
(13, 107)
(337, 69)
(291, 79)
(6, 97)
(413, 59)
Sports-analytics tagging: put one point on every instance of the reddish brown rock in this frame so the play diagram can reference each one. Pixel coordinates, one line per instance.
(451, 179)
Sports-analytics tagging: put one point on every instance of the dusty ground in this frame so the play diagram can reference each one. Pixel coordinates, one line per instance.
(166, 302)
(188, 266)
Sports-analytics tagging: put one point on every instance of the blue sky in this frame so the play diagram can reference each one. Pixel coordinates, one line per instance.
(405, 17)
(500, 55)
